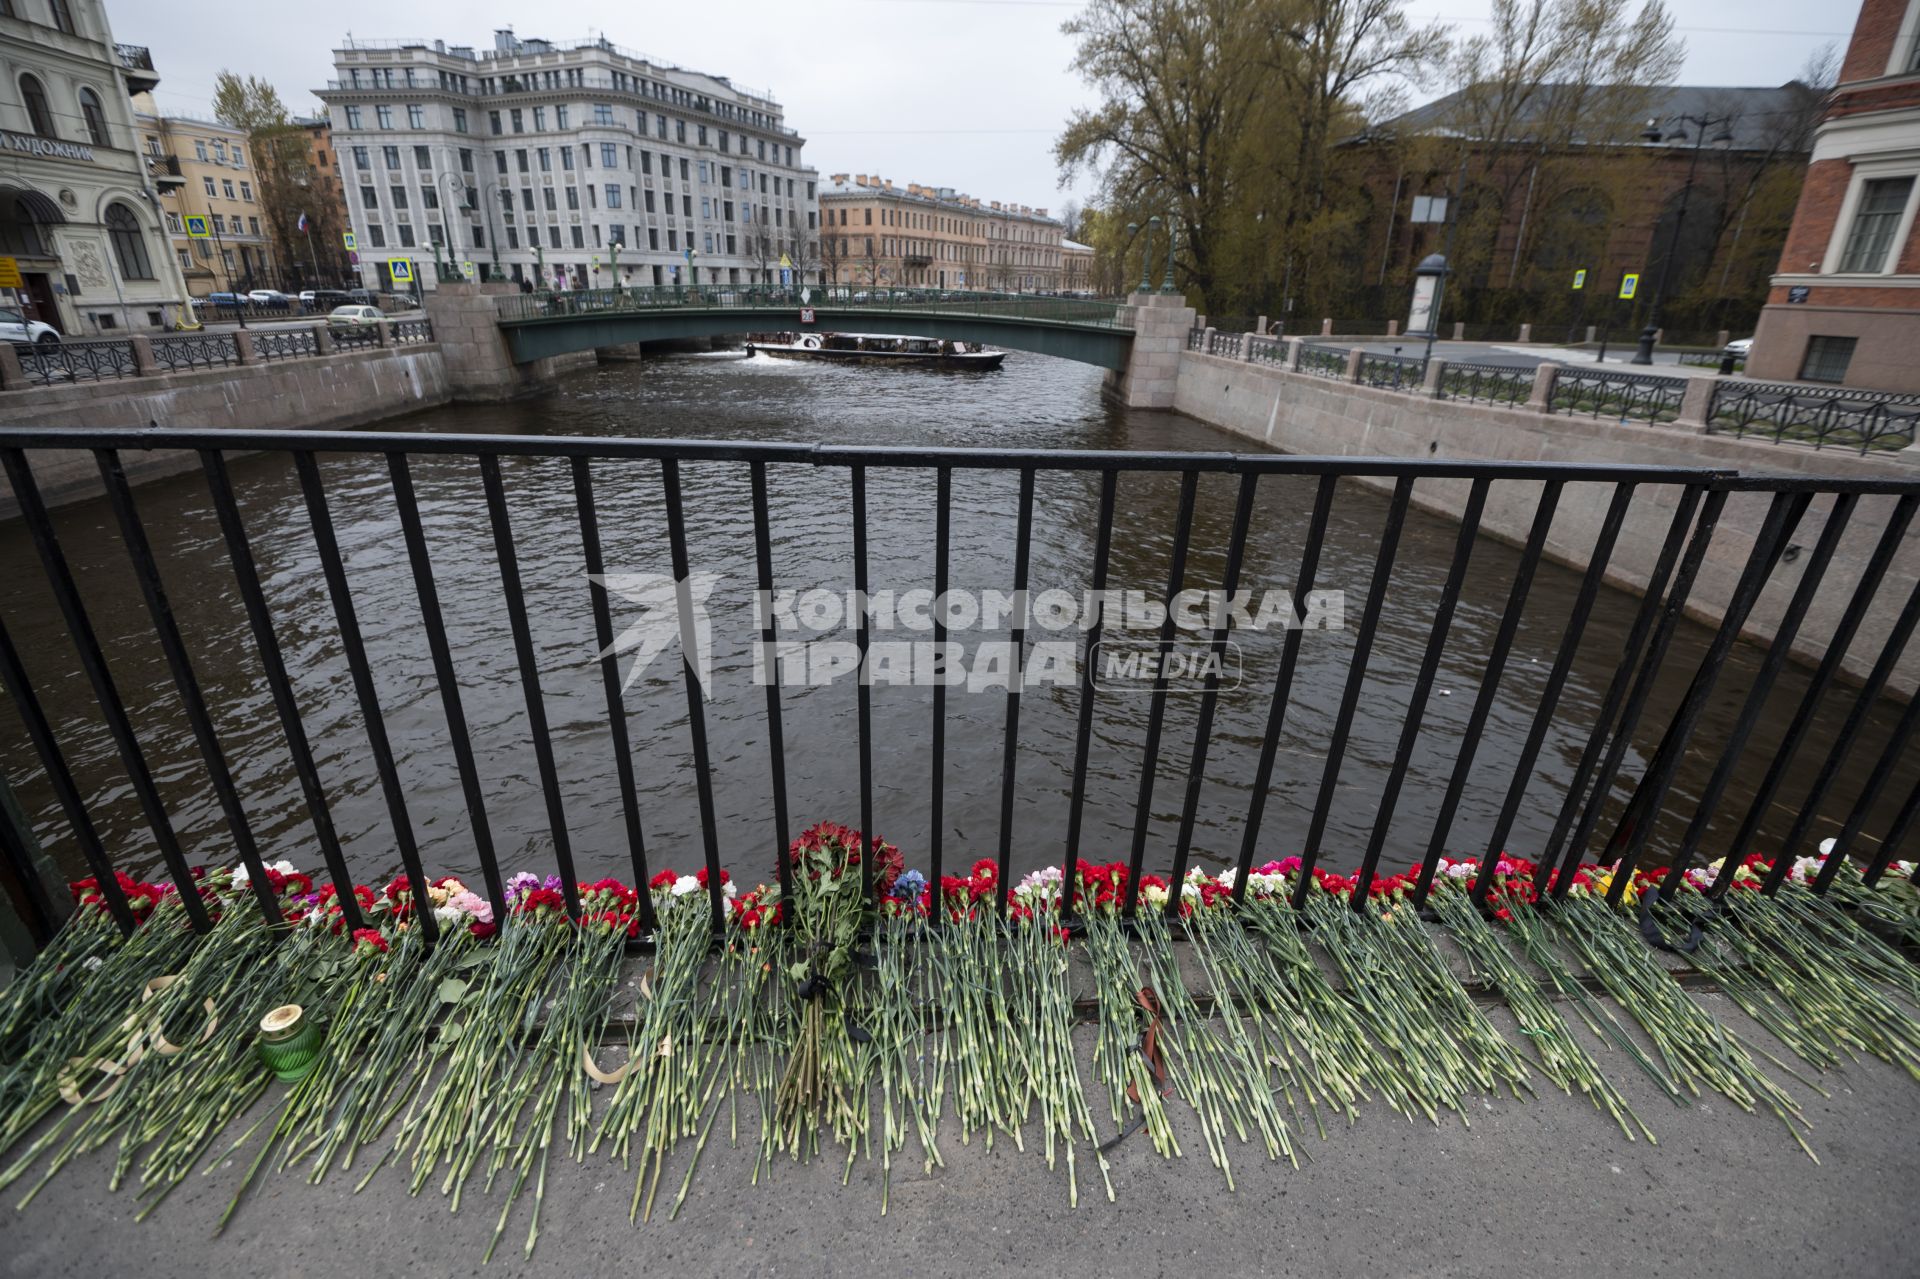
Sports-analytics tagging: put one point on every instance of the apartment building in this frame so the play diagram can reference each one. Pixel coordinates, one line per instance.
(566, 164)
(203, 167)
(874, 232)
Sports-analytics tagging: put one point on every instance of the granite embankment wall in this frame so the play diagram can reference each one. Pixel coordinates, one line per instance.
(1307, 414)
(348, 389)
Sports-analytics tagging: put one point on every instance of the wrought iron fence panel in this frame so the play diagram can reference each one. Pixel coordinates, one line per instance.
(1323, 361)
(1224, 344)
(354, 339)
(1196, 339)
(285, 344)
(196, 351)
(1486, 383)
(407, 332)
(1392, 372)
(47, 363)
(1267, 350)
(1644, 397)
(1788, 413)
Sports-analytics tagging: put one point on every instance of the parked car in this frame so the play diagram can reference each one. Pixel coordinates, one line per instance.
(353, 318)
(324, 299)
(16, 327)
(269, 298)
(1738, 348)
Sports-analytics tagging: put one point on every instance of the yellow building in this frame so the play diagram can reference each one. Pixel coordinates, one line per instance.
(1076, 267)
(872, 232)
(203, 167)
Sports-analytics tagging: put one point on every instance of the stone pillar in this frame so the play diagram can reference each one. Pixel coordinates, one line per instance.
(1294, 347)
(1354, 358)
(11, 374)
(479, 364)
(1199, 321)
(1393, 328)
(382, 333)
(1206, 340)
(1161, 323)
(1459, 330)
(243, 347)
(144, 364)
(1659, 337)
(1326, 327)
(1526, 333)
(1542, 396)
(322, 340)
(1593, 331)
(1696, 402)
(1436, 374)
(1260, 326)
(1721, 338)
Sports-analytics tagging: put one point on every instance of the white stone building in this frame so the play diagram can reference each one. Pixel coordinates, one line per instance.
(550, 161)
(79, 213)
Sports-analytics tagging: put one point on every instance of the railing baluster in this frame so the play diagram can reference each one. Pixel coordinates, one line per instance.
(1850, 731)
(93, 661)
(1083, 732)
(1870, 794)
(443, 673)
(1203, 731)
(1283, 682)
(1556, 681)
(133, 536)
(267, 644)
(13, 677)
(1896, 836)
(863, 688)
(1644, 617)
(1356, 679)
(529, 663)
(769, 644)
(942, 530)
(1150, 758)
(1022, 543)
(1422, 690)
(1757, 691)
(1496, 666)
(696, 705)
(334, 569)
(1783, 513)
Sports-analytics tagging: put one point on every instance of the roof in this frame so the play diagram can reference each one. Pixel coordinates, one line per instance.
(1758, 114)
(1074, 246)
(844, 187)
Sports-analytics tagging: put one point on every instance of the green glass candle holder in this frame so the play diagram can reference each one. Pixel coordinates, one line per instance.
(289, 1043)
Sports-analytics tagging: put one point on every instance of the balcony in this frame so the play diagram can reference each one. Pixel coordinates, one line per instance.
(165, 171)
(917, 259)
(137, 61)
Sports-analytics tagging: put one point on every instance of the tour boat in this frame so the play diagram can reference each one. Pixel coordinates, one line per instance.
(875, 348)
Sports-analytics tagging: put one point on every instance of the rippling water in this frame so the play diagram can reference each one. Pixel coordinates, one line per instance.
(1033, 402)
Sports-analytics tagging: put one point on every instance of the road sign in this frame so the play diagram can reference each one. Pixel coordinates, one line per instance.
(348, 241)
(1797, 294)
(467, 270)
(1580, 278)
(353, 259)
(197, 226)
(1629, 285)
(806, 315)
(786, 263)
(786, 278)
(10, 274)
(401, 270)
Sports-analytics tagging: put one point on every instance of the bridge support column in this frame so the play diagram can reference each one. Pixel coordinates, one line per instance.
(478, 362)
(1161, 322)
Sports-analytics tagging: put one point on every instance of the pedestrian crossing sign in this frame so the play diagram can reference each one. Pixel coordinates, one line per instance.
(1580, 278)
(197, 226)
(348, 241)
(401, 269)
(1629, 285)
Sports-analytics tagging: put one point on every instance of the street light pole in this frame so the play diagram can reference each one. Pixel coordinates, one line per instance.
(1653, 134)
(1173, 241)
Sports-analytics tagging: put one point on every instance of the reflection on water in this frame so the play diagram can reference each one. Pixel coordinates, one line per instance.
(1032, 403)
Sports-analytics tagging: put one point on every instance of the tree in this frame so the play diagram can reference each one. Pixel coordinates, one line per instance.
(833, 256)
(285, 177)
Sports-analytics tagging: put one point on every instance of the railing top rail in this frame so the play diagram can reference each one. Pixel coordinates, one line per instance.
(1816, 394)
(1582, 371)
(858, 454)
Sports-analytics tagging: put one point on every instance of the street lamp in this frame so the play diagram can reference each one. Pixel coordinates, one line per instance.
(496, 194)
(457, 187)
(1173, 240)
(1652, 133)
(1146, 256)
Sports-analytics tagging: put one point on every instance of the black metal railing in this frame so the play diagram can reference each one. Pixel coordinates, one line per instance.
(1225, 345)
(358, 337)
(517, 308)
(1392, 372)
(1640, 397)
(195, 351)
(1863, 420)
(1486, 383)
(56, 363)
(1687, 503)
(1267, 350)
(285, 344)
(409, 332)
(1323, 361)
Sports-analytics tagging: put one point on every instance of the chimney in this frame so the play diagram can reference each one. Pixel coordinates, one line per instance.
(887, 182)
(860, 179)
(838, 178)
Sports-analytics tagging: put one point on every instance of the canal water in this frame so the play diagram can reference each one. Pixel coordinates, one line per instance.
(1032, 403)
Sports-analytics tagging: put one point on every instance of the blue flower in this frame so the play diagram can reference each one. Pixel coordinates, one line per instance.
(909, 886)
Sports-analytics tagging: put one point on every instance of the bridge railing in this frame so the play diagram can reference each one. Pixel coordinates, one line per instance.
(518, 308)
(1097, 492)
(1782, 412)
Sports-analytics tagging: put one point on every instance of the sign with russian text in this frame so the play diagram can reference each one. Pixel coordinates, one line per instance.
(806, 315)
(197, 226)
(1629, 285)
(10, 274)
(1799, 293)
(28, 144)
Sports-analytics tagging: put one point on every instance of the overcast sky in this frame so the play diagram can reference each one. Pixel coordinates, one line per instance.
(962, 93)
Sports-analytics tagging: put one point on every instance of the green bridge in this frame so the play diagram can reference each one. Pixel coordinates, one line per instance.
(540, 325)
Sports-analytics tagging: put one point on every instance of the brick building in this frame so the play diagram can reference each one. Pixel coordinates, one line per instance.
(1845, 305)
(873, 232)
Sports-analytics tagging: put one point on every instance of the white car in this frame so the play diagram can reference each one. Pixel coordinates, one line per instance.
(354, 318)
(15, 327)
(1738, 348)
(306, 297)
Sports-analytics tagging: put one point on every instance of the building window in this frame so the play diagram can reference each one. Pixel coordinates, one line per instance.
(95, 117)
(560, 117)
(429, 198)
(466, 160)
(186, 260)
(246, 191)
(390, 157)
(39, 115)
(406, 236)
(399, 195)
(573, 198)
(360, 159)
(377, 235)
(1827, 359)
(566, 159)
(493, 123)
(211, 188)
(129, 246)
(519, 120)
(226, 187)
(579, 238)
(609, 155)
(602, 113)
(253, 226)
(353, 117)
(459, 119)
(545, 158)
(383, 117)
(613, 196)
(539, 119)
(1875, 219)
(62, 16)
(422, 158)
